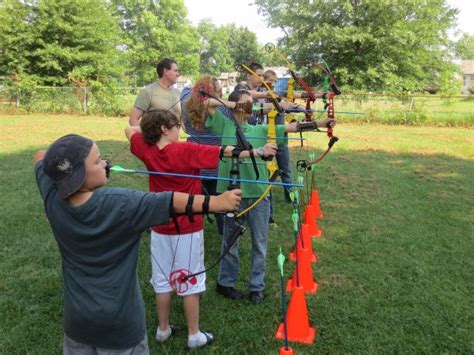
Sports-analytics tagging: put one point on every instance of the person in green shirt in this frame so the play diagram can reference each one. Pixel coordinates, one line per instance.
(257, 218)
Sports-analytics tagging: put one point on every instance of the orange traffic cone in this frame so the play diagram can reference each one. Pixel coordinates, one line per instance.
(297, 320)
(304, 240)
(304, 273)
(314, 201)
(310, 219)
(286, 351)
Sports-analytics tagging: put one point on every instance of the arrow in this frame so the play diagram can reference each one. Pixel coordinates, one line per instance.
(281, 262)
(119, 169)
(256, 137)
(296, 110)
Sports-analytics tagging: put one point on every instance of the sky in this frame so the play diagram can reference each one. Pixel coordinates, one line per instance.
(242, 13)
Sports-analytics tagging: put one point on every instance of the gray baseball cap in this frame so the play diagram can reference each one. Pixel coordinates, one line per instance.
(64, 163)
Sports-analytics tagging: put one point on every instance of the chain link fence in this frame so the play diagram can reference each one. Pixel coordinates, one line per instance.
(410, 109)
(360, 107)
(74, 100)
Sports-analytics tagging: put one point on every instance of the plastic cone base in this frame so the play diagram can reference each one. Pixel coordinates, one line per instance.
(297, 320)
(305, 272)
(304, 236)
(309, 339)
(285, 351)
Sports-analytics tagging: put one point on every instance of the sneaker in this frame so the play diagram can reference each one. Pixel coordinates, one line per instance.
(228, 292)
(164, 335)
(200, 340)
(256, 297)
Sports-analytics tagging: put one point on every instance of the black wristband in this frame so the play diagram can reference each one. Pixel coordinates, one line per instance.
(189, 208)
(261, 109)
(306, 126)
(205, 204)
(221, 151)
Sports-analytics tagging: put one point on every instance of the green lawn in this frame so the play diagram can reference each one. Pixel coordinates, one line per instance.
(396, 258)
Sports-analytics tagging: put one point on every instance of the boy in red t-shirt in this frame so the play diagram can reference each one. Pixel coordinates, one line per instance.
(178, 248)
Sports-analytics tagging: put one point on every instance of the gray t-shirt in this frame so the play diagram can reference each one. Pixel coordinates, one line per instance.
(153, 96)
(98, 242)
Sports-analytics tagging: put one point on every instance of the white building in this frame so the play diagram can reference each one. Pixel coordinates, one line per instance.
(467, 69)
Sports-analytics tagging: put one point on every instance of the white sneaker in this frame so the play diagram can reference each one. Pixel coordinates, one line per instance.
(163, 335)
(200, 339)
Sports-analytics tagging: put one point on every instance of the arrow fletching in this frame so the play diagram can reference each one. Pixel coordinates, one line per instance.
(119, 169)
(281, 261)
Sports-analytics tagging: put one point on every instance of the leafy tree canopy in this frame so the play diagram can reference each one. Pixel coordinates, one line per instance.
(154, 30)
(464, 47)
(223, 48)
(56, 41)
(376, 45)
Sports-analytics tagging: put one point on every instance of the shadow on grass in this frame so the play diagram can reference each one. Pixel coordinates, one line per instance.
(395, 267)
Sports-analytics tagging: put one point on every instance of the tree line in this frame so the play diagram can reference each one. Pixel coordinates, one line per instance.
(370, 45)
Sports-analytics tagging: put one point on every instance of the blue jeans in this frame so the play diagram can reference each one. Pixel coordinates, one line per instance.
(257, 220)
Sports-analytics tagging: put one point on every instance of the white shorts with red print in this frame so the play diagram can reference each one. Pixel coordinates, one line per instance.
(173, 257)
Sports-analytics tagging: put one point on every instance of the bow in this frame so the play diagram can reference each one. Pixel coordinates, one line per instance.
(272, 167)
(310, 95)
(269, 48)
(328, 99)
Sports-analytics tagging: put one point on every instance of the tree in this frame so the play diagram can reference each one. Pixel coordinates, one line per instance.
(464, 47)
(153, 30)
(224, 48)
(383, 45)
(56, 40)
(16, 37)
(243, 45)
(214, 56)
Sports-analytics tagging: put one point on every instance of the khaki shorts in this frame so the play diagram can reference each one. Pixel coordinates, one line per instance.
(72, 347)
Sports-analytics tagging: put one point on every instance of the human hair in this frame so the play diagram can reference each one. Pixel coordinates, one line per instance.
(236, 95)
(153, 120)
(255, 66)
(268, 74)
(194, 106)
(163, 64)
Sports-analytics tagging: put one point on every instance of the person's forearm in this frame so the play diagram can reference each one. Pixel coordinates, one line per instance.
(243, 154)
(134, 118)
(291, 127)
(259, 94)
(131, 130)
(214, 103)
(180, 201)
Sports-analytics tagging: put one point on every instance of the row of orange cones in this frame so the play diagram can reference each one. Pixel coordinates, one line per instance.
(297, 320)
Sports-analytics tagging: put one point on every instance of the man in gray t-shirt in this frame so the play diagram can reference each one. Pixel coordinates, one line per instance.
(159, 95)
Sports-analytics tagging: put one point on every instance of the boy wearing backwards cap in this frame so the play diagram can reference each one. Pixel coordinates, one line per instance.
(98, 233)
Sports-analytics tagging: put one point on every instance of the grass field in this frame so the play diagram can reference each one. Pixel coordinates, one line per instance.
(396, 258)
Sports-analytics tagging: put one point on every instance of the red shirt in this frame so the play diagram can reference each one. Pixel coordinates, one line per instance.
(182, 158)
